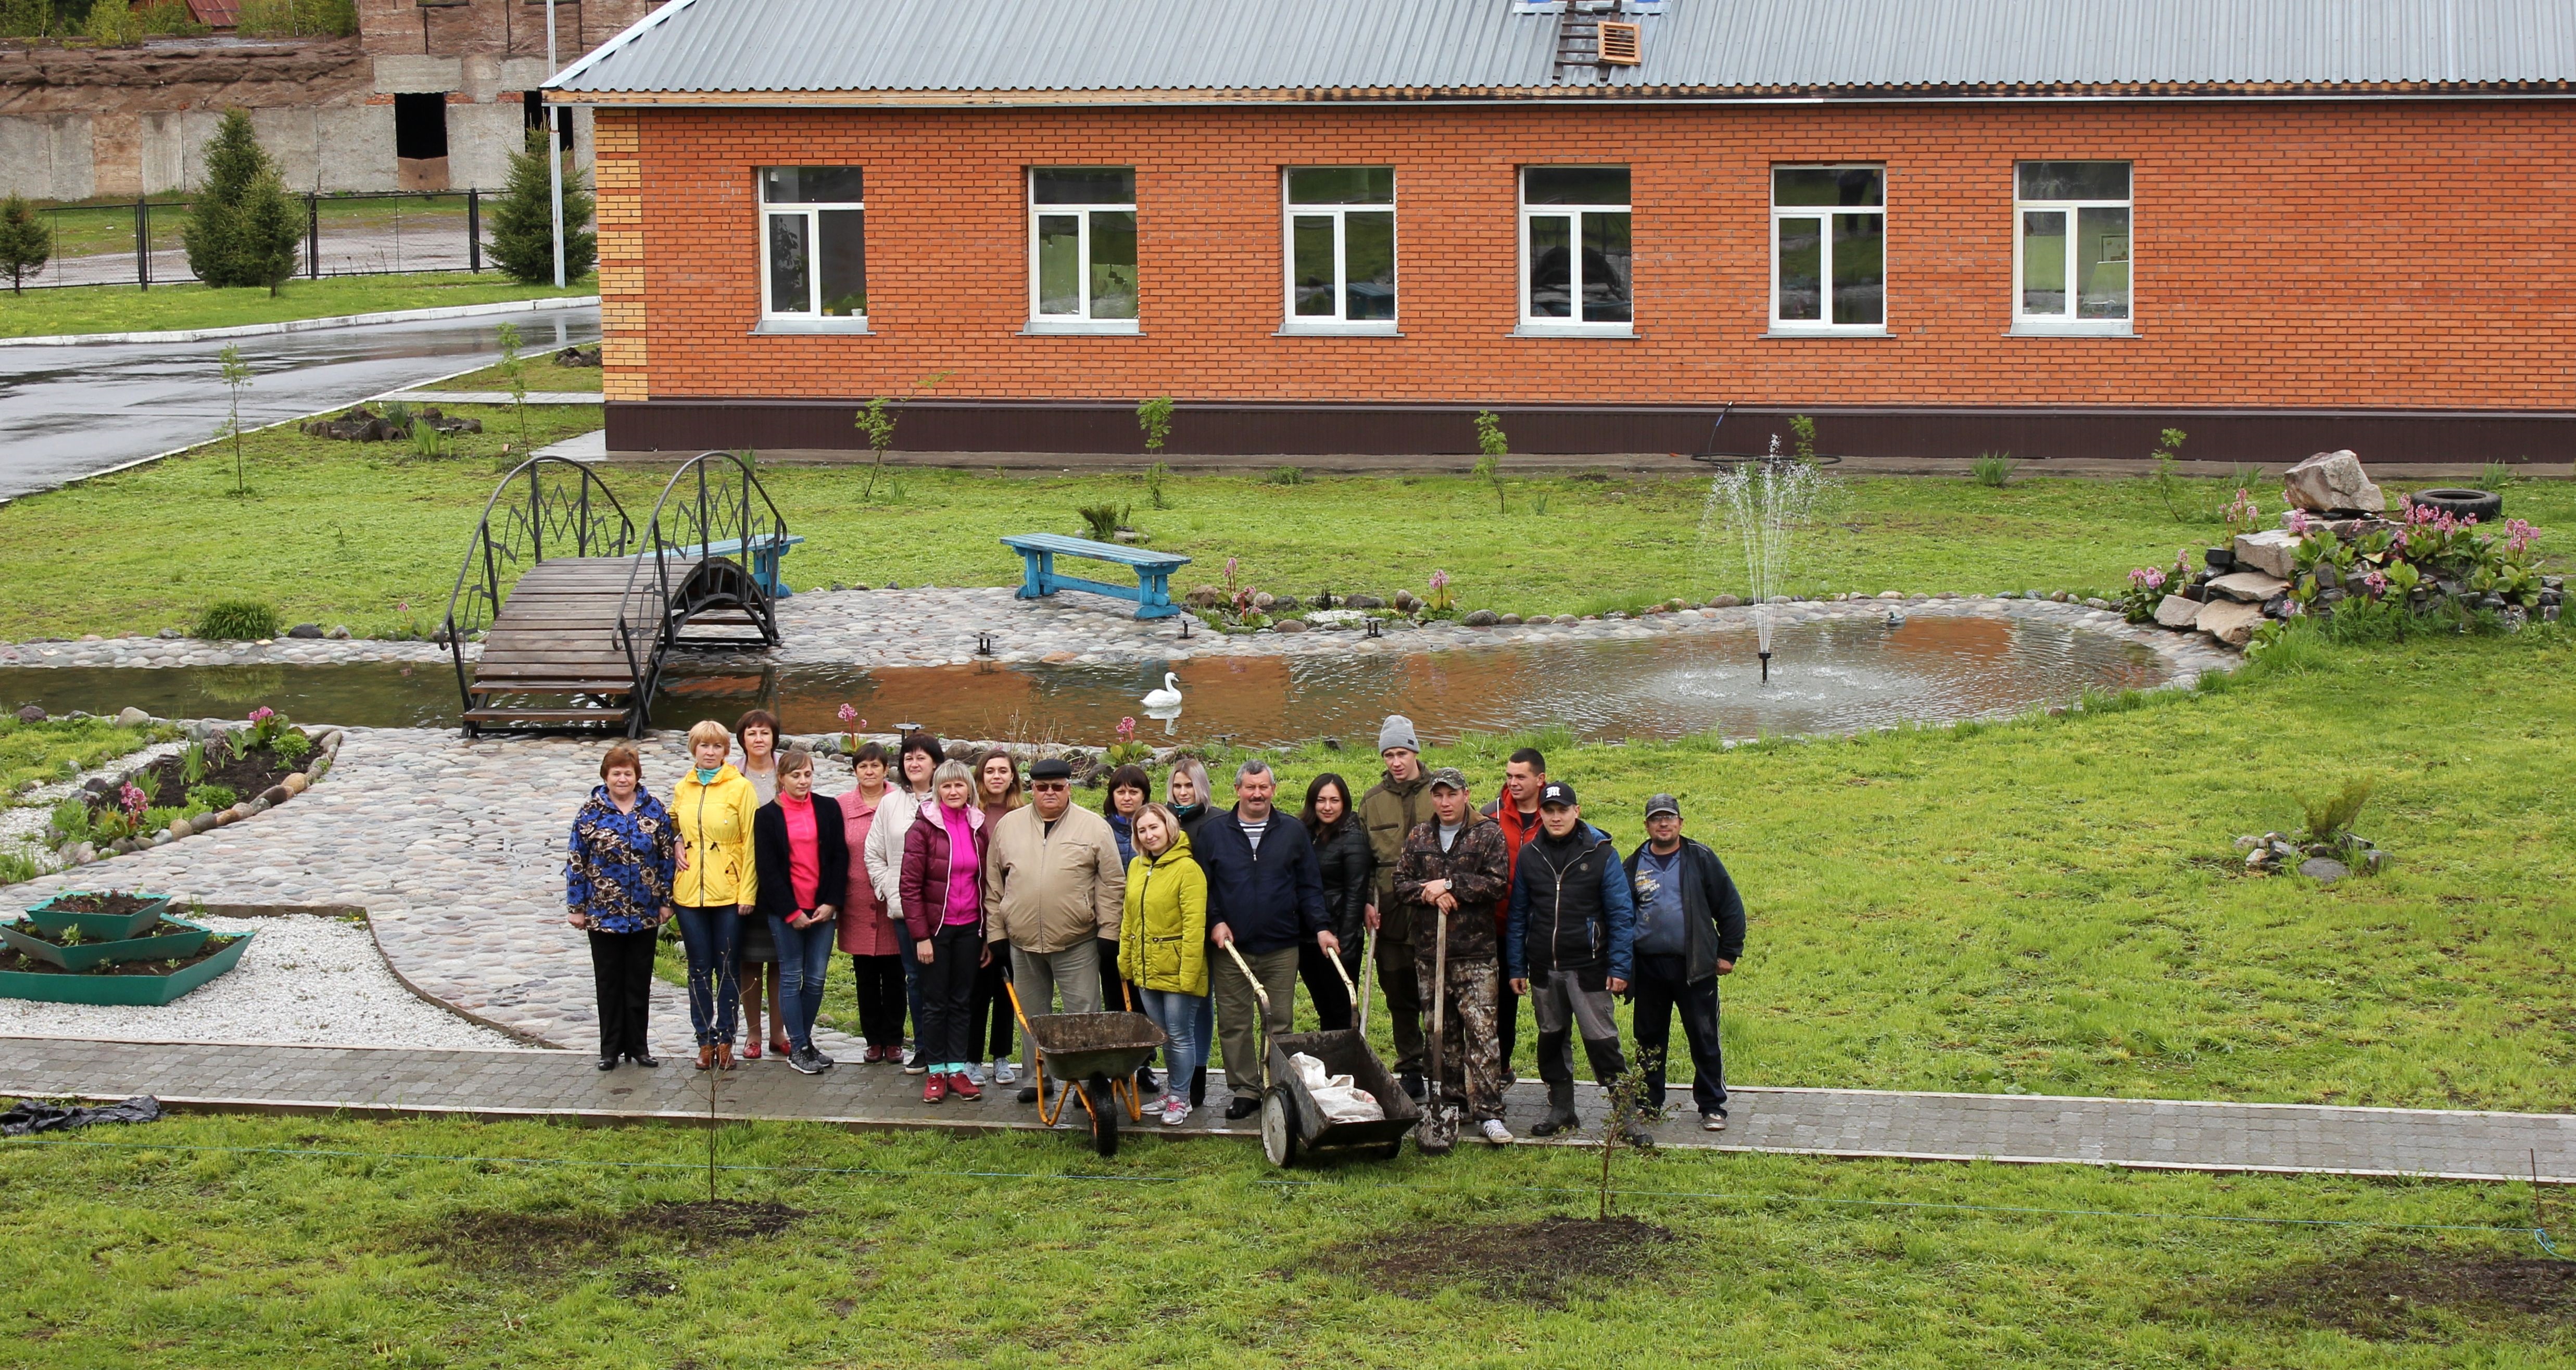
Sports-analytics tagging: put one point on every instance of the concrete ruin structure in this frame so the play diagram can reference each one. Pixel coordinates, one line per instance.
(429, 95)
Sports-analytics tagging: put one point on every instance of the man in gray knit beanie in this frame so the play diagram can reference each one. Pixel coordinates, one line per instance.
(1387, 813)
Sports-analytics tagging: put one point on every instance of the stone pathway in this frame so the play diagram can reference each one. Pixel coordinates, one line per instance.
(2150, 1134)
(939, 626)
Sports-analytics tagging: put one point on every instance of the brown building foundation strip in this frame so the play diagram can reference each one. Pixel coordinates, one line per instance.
(1417, 431)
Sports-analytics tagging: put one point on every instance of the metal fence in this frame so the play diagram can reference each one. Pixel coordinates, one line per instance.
(359, 234)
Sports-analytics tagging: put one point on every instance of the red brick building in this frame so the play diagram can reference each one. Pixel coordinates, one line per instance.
(1940, 226)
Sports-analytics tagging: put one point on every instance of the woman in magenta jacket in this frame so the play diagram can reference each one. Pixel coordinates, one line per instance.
(943, 911)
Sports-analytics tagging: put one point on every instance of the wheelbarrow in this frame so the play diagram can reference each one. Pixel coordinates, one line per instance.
(1093, 1057)
(1292, 1123)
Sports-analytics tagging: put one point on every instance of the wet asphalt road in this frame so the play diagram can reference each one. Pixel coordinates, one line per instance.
(70, 411)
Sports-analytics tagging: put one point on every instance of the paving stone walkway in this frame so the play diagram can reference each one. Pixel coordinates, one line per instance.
(2148, 1134)
(927, 626)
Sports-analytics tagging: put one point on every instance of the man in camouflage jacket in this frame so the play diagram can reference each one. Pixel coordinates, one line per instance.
(1455, 868)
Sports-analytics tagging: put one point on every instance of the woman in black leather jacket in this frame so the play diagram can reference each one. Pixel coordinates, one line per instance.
(1342, 849)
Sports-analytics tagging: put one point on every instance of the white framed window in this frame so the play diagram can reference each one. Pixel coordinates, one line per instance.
(813, 245)
(1829, 249)
(1575, 250)
(1082, 249)
(1341, 249)
(2071, 247)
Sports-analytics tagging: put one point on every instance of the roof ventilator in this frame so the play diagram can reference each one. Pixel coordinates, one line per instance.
(1587, 35)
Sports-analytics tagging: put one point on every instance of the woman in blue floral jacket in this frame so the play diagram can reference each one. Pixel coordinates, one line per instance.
(617, 882)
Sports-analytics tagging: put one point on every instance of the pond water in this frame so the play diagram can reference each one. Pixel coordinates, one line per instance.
(1825, 677)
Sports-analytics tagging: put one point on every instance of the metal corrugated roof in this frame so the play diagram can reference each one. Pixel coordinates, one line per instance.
(966, 47)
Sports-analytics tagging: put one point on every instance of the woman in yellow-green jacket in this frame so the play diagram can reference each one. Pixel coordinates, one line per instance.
(1162, 945)
(717, 885)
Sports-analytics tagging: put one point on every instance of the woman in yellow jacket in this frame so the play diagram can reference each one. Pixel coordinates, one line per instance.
(1162, 945)
(717, 885)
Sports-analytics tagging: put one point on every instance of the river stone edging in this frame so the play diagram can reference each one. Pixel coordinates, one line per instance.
(886, 629)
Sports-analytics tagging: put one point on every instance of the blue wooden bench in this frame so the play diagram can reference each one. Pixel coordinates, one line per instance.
(1153, 588)
(765, 553)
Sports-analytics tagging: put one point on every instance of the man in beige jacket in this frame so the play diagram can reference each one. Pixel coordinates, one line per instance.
(1054, 889)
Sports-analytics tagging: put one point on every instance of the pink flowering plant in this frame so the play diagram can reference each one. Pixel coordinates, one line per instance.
(2418, 561)
(2147, 589)
(851, 726)
(1439, 600)
(1127, 751)
(2243, 514)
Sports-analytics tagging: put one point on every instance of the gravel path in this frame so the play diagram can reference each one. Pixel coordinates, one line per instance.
(306, 978)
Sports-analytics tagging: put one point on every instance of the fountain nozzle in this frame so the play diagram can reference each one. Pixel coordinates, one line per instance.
(1766, 666)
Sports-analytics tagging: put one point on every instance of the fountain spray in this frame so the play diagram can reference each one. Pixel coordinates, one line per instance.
(1762, 502)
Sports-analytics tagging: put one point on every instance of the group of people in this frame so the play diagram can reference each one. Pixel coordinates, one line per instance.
(965, 893)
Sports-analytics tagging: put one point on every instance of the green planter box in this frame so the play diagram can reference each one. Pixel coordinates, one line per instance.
(168, 946)
(119, 989)
(106, 927)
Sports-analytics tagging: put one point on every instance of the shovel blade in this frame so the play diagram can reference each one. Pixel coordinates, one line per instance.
(1438, 1131)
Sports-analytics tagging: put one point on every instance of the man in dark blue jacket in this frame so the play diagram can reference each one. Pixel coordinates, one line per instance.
(1690, 930)
(1265, 899)
(1569, 948)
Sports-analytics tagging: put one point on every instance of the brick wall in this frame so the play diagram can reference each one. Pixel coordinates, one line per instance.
(2364, 255)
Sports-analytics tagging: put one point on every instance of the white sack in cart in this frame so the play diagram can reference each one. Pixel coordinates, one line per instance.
(1341, 1100)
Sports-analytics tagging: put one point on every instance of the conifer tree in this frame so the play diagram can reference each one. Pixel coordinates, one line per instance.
(268, 230)
(25, 246)
(223, 249)
(523, 235)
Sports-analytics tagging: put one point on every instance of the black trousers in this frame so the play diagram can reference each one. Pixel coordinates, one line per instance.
(1659, 989)
(882, 998)
(1333, 1005)
(621, 966)
(1507, 1024)
(946, 1034)
(990, 1006)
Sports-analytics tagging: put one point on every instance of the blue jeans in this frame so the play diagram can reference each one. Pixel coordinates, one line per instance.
(712, 937)
(1178, 1016)
(804, 955)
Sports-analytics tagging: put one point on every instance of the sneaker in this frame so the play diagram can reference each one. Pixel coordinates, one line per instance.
(934, 1089)
(973, 1073)
(1004, 1072)
(1176, 1111)
(963, 1086)
(804, 1061)
(1712, 1122)
(912, 1062)
(1495, 1132)
(820, 1059)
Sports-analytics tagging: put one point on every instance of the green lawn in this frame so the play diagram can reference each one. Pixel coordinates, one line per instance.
(33, 754)
(124, 309)
(344, 533)
(1029, 1251)
(543, 375)
(107, 227)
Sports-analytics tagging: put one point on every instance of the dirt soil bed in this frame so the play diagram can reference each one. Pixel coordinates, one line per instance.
(2397, 1295)
(160, 927)
(113, 902)
(544, 1243)
(13, 959)
(246, 776)
(1538, 1262)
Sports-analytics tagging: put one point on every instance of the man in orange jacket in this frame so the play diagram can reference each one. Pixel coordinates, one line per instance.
(1524, 775)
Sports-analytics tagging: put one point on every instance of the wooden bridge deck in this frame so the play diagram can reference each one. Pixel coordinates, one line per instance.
(557, 634)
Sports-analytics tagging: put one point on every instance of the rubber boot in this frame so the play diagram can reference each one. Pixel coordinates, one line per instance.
(1560, 1110)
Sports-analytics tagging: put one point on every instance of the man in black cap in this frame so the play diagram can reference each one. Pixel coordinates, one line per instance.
(1055, 890)
(1569, 948)
(1690, 930)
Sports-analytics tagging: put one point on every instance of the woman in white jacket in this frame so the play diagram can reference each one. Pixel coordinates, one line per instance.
(919, 756)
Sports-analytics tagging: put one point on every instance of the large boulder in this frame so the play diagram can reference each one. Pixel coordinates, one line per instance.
(2273, 552)
(2246, 587)
(2229, 621)
(2333, 482)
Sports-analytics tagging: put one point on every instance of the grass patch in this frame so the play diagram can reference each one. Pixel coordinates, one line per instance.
(1172, 1253)
(543, 375)
(124, 309)
(33, 754)
(344, 533)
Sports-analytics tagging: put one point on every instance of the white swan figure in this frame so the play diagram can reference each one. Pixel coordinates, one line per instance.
(1165, 697)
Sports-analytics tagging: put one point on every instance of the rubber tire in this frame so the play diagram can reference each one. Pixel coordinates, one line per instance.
(1279, 1128)
(2485, 505)
(1104, 1115)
